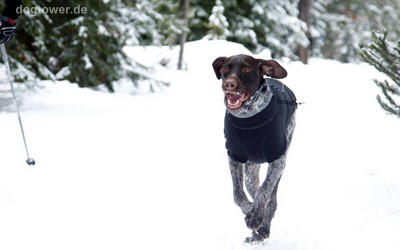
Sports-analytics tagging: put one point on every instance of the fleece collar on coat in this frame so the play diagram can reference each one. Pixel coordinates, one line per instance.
(255, 104)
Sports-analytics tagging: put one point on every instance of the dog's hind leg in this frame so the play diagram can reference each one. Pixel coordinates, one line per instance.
(263, 232)
(239, 195)
(272, 204)
(265, 204)
(255, 217)
(251, 178)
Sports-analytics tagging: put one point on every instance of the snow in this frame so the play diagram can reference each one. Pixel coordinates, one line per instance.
(149, 171)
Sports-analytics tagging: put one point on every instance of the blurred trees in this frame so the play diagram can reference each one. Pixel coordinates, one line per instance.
(305, 16)
(81, 41)
(87, 48)
(272, 24)
(341, 26)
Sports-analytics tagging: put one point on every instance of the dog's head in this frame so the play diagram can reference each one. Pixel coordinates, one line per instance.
(242, 75)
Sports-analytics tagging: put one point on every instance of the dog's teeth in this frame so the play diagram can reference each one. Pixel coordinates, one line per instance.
(235, 103)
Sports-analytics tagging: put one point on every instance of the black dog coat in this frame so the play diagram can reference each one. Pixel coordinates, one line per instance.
(262, 137)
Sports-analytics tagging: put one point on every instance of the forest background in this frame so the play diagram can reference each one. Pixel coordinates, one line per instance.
(85, 44)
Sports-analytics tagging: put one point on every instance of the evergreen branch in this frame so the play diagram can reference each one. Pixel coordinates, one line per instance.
(384, 56)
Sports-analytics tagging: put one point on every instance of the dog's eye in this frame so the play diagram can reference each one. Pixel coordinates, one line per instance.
(224, 70)
(247, 69)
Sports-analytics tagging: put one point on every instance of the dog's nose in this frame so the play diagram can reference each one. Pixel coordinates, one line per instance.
(230, 84)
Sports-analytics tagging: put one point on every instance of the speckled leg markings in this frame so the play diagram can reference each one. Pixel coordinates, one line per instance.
(252, 178)
(260, 212)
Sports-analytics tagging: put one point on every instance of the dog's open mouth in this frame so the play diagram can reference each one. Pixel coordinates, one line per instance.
(234, 100)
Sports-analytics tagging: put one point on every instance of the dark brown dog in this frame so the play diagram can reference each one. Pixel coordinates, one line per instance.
(259, 124)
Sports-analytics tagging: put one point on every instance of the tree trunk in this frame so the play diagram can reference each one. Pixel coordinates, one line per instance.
(185, 18)
(305, 16)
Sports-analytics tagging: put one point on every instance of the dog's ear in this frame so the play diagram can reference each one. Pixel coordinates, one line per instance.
(217, 65)
(272, 69)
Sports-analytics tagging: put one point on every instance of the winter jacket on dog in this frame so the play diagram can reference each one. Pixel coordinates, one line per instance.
(262, 138)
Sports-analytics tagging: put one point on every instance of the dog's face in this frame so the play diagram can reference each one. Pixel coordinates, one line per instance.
(241, 76)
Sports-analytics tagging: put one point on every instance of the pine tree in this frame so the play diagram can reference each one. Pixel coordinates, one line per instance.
(84, 46)
(217, 22)
(385, 57)
(269, 24)
(257, 25)
(28, 50)
(339, 26)
(169, 23)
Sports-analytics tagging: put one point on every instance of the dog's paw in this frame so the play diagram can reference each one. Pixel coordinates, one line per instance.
(258, 237)
(254, 219)
(253, 241)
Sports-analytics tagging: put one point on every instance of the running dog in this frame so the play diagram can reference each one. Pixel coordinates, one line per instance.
(258, 128)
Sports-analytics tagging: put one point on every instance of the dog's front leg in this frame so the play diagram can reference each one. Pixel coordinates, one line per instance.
(255, 217)
(251, 178)
(239, 195)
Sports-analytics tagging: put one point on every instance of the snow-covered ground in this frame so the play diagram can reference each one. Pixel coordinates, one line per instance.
(120, 171)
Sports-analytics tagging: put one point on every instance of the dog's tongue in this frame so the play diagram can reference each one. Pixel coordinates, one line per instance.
(235, 98)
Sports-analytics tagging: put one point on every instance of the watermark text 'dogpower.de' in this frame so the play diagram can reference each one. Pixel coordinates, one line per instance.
(37, 10)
